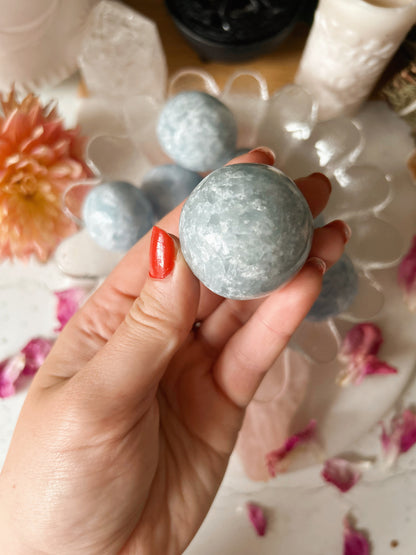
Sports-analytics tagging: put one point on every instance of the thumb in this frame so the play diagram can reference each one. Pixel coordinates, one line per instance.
(133, 361)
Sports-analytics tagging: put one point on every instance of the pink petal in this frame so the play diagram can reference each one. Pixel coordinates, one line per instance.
(358, 354)
(341, 473)
(35, 353)
(10, 370)
(257, 518)
(355, 543)
(361, 340)
(406, 276)
(69, 301)
(273, 458)
(399, 436)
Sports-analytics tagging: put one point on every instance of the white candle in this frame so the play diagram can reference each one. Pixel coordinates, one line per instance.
(349, 45)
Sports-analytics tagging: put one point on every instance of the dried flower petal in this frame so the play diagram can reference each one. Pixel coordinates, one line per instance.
(69, 300)
(407, 276)
(10, 370)
(39, 159)
(358, 354)
(399, 436)
(257, 518)
(275, 457)
(355, 543)
(341, 473)
(35, 353)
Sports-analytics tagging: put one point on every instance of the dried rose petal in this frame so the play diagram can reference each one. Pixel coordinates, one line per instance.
(355, 543)
(273, 458)
(10, 370)
(406, 276)
(358, 354)
(69, 301)
(399, 436)
(341, 473)
(257, 518)
(35, 353)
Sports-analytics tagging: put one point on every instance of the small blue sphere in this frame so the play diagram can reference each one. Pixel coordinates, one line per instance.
(197, 131)
(339, 288)
(116, 215)
(168, 185)
(245, 230)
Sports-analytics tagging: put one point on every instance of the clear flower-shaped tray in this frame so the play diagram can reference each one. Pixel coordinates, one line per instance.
(371, 191)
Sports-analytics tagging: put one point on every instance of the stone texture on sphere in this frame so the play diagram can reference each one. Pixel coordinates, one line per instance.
(121, 54)
(168, 185)
(339, 287)
(116, 215)
(197, 131)
(245, 230)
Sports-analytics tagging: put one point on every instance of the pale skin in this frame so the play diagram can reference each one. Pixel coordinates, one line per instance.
(128, 427)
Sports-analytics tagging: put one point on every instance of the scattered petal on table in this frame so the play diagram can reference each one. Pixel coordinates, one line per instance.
(69, 300)
(341, 473)
(10, 370)
(257, 518)
(355, 542)
(407, 276)
(398, 436)
(35, 353)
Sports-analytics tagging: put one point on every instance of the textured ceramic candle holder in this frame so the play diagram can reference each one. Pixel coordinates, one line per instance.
(350, 43)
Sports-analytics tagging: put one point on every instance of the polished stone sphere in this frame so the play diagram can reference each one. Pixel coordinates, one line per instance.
(116, 214)
(339, 288)
(197, 131)
(245, 230)
(168, 185)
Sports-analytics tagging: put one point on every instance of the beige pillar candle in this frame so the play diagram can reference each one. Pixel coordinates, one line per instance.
(349, 45)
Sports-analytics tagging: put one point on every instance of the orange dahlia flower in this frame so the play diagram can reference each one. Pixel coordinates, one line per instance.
(39, 159)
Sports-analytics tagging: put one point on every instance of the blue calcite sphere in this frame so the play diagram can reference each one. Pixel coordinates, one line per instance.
(197, 131)
(339, 287)
(116, 215)
(245, 230)
(168, 185)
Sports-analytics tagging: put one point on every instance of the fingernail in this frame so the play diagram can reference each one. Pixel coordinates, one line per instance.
(321, 177)
(343, 227)
(317, 263)
(267, 151)
(162, 254)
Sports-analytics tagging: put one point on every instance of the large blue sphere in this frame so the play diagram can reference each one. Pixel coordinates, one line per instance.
(339, 287)
(245, 230)
(197, 131)
(168, 185)
(116, 215)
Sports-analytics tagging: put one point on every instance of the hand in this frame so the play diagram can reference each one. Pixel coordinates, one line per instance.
(127, 428)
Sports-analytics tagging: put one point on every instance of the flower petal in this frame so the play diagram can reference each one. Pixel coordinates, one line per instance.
(35, 353)
(341, 473)
(407, 276)
(69, 301)
(273, 458)
(10, 370)
(399, 436)
(257, 518)
(355, 543)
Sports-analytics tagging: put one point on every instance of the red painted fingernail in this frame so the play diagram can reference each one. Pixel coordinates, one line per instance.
(267, 151)
(162, 254)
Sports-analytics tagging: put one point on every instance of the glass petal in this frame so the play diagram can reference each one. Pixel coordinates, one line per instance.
(100, 116)
(140, 116)
(118, 159)
(79, 256)
(374, 242)
(73, 199)
(192, 80)
(318, 341)
(332, 144)
(368, 302)
(246, 95)
(356, 190)
(288, 121)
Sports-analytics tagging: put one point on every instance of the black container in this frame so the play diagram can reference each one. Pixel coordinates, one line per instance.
(234, 31)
